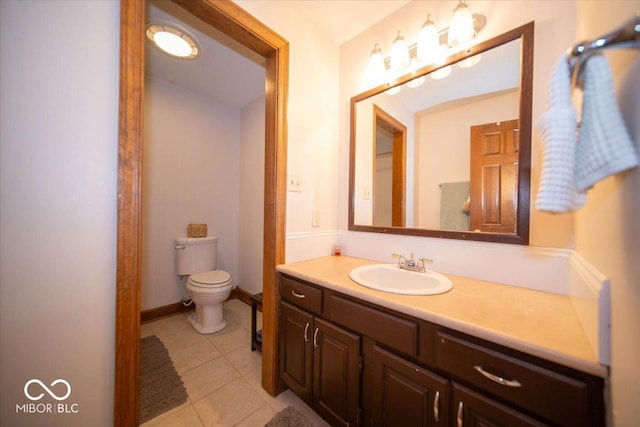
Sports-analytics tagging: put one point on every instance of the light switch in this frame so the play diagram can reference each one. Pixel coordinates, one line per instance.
(294, 183)
(366, 193)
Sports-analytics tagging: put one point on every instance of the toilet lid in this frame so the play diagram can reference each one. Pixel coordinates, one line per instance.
(210, 278)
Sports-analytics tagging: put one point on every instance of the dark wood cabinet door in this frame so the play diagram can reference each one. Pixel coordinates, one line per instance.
(474, 410)
(404, 394)
(296, 351)
(336, 385)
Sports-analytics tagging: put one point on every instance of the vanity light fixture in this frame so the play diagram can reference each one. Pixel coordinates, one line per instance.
(432, 47)
(173, 41)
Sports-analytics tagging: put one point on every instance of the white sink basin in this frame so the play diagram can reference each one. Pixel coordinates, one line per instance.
(390, 278)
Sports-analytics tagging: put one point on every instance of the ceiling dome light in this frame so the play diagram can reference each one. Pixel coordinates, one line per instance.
(173, 41)
(461, 29)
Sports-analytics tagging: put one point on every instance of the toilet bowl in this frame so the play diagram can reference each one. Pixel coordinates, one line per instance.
(208, 287)
(208, 291)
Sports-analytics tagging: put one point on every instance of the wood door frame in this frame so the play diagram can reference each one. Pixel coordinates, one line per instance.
(399, 168)
(244, 28)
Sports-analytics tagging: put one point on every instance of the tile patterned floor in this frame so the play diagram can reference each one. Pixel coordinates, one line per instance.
(221, 374)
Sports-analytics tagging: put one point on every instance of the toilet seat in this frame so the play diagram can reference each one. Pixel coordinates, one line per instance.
(210, 279)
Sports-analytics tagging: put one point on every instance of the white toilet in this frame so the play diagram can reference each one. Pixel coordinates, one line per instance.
(208, 288)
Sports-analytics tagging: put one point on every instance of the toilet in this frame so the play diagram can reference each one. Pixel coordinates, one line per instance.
(208, 288)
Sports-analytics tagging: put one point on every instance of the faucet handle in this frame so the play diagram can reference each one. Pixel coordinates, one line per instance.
(401, 259)
(426, 260)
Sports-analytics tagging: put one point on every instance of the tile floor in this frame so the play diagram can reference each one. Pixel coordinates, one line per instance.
(221, 374)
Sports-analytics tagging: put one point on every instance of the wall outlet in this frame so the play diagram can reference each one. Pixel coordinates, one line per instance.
(315, 217)
(294, 183)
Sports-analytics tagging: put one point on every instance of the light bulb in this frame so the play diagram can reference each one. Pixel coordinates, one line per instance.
(441, 73)
(393, 91)
(173, 44)
(428, 42)
(399, 53)
(461, 29)
(440, 60)
(416, 82)
(376, 69)
(470, 61)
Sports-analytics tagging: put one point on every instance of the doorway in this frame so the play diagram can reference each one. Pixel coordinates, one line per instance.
(389, 169)
(249, 32)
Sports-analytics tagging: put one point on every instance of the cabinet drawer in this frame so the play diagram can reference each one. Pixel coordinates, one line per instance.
(301, 294)
(398, 333)
(556, 397)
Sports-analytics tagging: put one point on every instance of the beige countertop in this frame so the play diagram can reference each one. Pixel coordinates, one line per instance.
(538, 323)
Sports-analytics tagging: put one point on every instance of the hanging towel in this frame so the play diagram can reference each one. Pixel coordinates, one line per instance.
(452, 198)
(604, 144)
(557, 129)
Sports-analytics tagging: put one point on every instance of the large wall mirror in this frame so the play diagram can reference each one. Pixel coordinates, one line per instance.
(448, 157)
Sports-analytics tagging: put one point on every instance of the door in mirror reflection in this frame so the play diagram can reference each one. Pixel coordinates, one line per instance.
(494, 176)
(389, 169)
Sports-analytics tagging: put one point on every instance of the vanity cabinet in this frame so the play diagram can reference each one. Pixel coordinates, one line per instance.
(319, 361)
(358, 363)
(402, 393)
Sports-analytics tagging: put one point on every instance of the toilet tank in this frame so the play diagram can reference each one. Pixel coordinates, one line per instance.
(195, 254)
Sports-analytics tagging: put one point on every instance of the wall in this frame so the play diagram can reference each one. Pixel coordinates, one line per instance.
(312, 126)
(58, 175)
(251, 215)
(190, 175)
(607, 228)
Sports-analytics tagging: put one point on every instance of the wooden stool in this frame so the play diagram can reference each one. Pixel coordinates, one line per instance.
(256, 336)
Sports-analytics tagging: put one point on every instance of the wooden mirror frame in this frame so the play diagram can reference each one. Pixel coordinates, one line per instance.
(241, 26)
(521, 236)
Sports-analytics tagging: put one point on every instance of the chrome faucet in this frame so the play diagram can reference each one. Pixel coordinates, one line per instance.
(412, 264)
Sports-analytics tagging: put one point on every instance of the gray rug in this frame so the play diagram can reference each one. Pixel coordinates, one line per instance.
(289, 417)
(161, 387)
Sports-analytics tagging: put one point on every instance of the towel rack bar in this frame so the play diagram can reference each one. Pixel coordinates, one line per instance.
(626, 36)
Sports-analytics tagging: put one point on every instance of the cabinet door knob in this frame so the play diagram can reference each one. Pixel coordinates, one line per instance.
(459, 415)
(496, 378)
(436, 407)
(315, 338)
(297, 295)
(306, 328)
